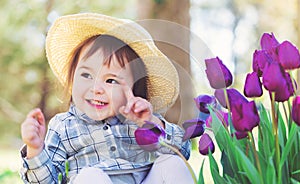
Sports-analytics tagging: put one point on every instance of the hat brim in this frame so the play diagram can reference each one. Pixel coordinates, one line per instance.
(67, 32)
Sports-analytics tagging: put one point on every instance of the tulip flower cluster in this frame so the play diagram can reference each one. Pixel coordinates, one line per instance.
(273, 155)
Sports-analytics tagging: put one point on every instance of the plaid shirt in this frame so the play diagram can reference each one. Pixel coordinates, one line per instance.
(109, 145)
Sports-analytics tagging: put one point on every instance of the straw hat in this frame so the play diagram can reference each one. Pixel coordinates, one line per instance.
(69, 31)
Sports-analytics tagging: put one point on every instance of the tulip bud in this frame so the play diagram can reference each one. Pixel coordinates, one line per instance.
(217, 73)
(240, 135)
(193, 128)
(222, 116)
(253, 86)
(288, 56)
(260, 59)
(273, 77)
(206, 144)
(296, 110)
(245, 116)
(268, 41)
(203, 100)
(234, 96)
(148, 136)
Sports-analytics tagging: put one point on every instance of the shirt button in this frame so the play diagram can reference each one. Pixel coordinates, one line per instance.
(105, 127)
(169, 137)
(113, 148)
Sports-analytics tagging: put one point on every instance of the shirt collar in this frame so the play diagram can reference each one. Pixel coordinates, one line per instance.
(79, 114)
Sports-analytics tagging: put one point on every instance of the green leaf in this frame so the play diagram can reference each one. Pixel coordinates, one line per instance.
(227, 166)
(270, 176)
(289, 143)
(201, 178)
(295, 166)
(214, 169)
(266, 138)
(59, 178)
(281, 130)
(67, 168)
(248, 167)
(293, 181)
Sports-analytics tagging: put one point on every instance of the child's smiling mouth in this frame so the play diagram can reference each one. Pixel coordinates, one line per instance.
(96, 103)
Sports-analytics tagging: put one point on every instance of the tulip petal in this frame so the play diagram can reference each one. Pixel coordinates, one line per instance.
(206, 144)
(288, 56)
(260, 60)
(296, 110)
(193, 128)
(234, 96)
(245, 116)
(202, 101)
(273, 77)
(149, 135)
(253, 86)
(217, 73)
(268, 41)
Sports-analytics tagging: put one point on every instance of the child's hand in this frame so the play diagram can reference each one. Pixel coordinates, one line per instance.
(33, 132)
(137, 109)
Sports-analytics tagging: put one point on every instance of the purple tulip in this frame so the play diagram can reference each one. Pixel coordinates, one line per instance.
(260, 59)
(193, 128)
(217, 73)
(253, 86)
(268, 41)
(286, 91)
(234, 96)
(148, 136)
(296, 110)
(244, 116)
(240, 135)
(203, 100)
(222, 116)
(273, 77)
(206, 144)
(288, 56)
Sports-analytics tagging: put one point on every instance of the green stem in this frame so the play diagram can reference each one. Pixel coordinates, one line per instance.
(285, 113)
(250, 134)
(260, 133)
(290, 115)
(229, 111)
(182, 157)
(275, 132)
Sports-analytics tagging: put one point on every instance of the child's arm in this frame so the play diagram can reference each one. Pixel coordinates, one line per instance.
(38, 164)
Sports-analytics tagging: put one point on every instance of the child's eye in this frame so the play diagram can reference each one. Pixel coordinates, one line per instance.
(86, 75)
(112, 81)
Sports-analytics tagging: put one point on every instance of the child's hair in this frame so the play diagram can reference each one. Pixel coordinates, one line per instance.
(110, 47)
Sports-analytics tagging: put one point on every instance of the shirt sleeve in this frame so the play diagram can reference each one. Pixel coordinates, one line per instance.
(45, 167)
(174, 135)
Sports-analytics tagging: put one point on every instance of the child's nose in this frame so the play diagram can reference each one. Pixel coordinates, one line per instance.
(98, 87)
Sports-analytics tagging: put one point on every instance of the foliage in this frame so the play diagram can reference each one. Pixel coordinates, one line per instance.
(8, 176)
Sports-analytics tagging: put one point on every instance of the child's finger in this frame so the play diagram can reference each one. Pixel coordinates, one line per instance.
(141, 105)
(126, 89)
(38, 115)
(130, 104)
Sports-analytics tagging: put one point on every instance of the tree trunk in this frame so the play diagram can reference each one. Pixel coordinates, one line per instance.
(169, 27)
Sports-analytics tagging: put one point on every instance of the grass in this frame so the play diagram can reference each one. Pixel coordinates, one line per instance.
(10, 165)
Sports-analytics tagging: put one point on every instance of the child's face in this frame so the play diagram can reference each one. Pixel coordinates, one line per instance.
(96, 90)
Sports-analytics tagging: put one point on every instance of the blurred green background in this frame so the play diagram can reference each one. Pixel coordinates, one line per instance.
(230, 29)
